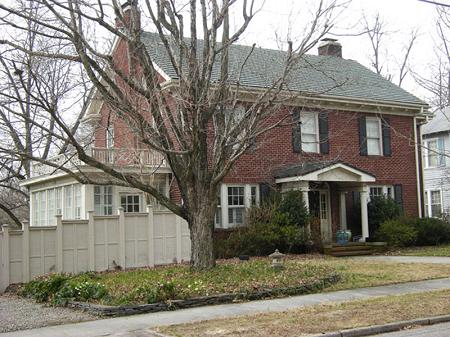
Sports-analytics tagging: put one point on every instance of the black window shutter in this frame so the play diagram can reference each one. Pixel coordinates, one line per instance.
(398, 195)
(264, 192)
(323, 133)
(362, 136)
(296, 132)
(386, 131)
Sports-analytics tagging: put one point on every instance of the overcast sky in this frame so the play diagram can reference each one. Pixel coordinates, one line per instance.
(401, 16)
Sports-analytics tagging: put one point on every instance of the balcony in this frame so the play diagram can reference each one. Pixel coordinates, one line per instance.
(117, 157)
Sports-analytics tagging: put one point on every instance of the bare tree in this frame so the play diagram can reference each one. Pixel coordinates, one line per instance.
(198, 121)
(30, 87)
(437, 81)
(377, 32)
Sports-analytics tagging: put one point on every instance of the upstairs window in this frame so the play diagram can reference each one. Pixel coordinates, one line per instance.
(110, 137)
(434, 152)
(373, 129)
(309, 132)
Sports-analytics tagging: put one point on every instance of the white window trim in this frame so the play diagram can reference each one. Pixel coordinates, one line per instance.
(316, 128)
(126, 194)
(223, 207)
(425, 152)
(428, 200)
(102, 204)
(384, 190)
(380, 133)
(51, 221)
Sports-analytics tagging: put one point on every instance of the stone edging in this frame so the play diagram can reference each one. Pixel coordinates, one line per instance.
(384, 328)
(125, 310)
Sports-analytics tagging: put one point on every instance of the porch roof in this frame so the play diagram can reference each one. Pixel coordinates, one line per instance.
(323, 171)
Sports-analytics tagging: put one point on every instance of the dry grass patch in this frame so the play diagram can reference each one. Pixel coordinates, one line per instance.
(442, 250)
(321, 318)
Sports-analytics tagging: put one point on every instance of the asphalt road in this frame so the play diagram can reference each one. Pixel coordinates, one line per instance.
(437, 330)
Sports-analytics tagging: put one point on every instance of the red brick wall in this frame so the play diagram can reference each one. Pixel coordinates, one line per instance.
(274, 151)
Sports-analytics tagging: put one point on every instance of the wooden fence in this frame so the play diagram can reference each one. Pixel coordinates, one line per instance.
(126, 240)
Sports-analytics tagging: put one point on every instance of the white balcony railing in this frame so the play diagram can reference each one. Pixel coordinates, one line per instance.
(115, 156)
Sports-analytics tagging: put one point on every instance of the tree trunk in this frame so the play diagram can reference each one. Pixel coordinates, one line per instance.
(201, 224)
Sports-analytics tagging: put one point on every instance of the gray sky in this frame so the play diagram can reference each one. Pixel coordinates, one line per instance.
(400, 16)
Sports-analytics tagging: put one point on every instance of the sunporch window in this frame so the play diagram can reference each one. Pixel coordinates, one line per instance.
(131, 203)
(103, 200)
(236, 205)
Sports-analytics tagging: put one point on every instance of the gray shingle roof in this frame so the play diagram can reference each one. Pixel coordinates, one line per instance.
(327, 75)
(439, 123)
(309, 167)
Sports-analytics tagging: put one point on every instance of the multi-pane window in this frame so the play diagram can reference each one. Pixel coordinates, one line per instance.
(434, 152)
(253, 196)
(218, 214)
(131, 203)
(110, 137)
(103, 200)
(381, 191)
(236, 205)
(68, 202)
(309, 132)
(433, 203)
(77, 197)
(46, 204)
(373, 134)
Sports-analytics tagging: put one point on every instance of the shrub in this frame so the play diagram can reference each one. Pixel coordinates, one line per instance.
(294, 208)
(79, 290)
(432, 231)
(43, 289)
(381, 209)
(400, 232)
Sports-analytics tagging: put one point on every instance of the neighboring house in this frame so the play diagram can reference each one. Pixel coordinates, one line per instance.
(436, 163)
(354, 135)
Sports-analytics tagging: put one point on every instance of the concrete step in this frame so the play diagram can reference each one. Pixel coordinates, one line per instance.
(352, 253)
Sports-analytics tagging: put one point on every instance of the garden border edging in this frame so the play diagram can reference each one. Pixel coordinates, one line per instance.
(125, 310)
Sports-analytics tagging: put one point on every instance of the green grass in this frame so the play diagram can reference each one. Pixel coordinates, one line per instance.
(150, 285)
(442, 250)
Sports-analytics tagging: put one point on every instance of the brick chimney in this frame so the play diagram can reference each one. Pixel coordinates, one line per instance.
(131, 16)
(330, 47)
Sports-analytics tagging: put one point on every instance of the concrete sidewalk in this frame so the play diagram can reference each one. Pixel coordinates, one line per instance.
(405, 259)
(134, 325)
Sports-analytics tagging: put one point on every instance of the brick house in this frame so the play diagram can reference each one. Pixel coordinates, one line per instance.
(353, 135)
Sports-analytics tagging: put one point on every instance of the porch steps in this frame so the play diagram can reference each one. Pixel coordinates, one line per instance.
(354, 248)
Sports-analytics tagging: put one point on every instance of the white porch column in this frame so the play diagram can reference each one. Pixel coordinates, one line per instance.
(343, 211)
(305, 196)
(364, 215)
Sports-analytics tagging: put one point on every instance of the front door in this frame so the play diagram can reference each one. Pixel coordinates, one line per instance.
(324, 214)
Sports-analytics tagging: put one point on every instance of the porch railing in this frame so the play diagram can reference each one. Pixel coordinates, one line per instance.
(119, 157)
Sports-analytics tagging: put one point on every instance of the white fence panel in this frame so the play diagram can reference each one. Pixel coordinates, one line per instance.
(99, 243)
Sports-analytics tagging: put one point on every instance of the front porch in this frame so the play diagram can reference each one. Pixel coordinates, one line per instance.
(333, 193)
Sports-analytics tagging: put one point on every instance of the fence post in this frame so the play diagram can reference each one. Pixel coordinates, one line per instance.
(91, 240)
(179, 241)
(25, 251)
(150, 237)
(59, 244)
(4, 277)
(121, 238)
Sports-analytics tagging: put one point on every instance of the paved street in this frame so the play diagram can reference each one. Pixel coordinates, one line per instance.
(438, 330)
(138, 324)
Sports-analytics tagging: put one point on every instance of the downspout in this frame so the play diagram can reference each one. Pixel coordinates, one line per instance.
(419, 166)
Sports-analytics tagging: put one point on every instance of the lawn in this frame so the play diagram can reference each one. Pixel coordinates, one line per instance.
(442, 250)
(150, 285)
(321, 318)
